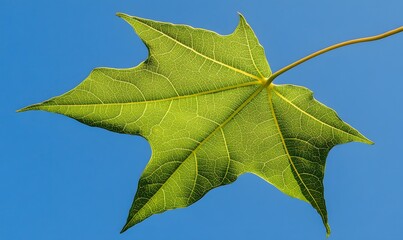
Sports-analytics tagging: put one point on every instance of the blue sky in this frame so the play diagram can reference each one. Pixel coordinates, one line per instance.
(60, 179)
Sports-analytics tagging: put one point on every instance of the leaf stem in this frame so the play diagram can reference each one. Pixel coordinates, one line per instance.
(330, 48)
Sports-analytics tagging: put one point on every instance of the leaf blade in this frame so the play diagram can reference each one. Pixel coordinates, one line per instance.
(204, 103)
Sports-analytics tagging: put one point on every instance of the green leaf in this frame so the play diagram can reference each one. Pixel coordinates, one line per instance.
(204, 103)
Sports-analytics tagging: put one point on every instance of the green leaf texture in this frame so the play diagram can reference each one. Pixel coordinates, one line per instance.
(204, 103)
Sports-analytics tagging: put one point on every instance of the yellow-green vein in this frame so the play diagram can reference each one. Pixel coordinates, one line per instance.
(269, 90)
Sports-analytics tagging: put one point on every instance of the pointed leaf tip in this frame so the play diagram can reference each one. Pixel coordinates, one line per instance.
(328, 230)
(21, 110)
(370, 142)
(242, 18)
(122, 15)
(241, 15)
(366, 140)
(125, 227)
(28, 108)
(127, 18)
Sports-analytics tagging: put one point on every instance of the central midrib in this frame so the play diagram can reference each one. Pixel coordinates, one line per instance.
(147, 101)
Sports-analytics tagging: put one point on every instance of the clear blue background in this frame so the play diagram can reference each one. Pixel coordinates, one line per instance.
(60, 179)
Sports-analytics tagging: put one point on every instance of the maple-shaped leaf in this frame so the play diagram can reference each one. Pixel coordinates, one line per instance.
(210, 113)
